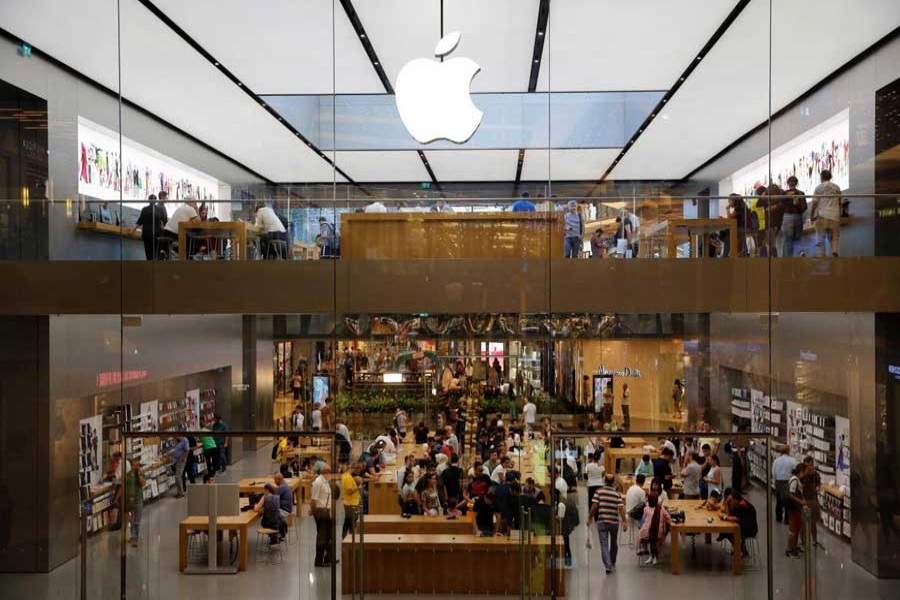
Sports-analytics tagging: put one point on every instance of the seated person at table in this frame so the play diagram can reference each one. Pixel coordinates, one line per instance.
(739, 510)
(429, 501)
(662, 468)
(270, 508)
(645, 467)
(373, 460)
(272, 229)
(285, 495)
(636, 498)
(484, 508)
(408, 502)
(714, 502)
(657, 523)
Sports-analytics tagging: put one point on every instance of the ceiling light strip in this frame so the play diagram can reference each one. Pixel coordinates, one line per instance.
(129, 103)
(537, 53)
(159, 14)
(692, 65)
(369, 49)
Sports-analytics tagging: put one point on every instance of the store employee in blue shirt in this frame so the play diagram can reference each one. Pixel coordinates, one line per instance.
(782, 470)
(180, 454)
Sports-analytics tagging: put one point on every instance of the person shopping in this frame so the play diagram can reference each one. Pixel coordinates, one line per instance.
(655, 529)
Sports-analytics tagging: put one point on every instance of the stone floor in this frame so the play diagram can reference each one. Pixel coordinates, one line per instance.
(152, 568)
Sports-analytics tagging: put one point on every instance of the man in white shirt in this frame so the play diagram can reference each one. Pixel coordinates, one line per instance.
(375, 207)
(297, 419)
(782, 471)
(636, 494)
(272, 229)
(342, 429)
(499, 473)
(316, 417)
(320, 505)
(185, 213)
(389, 446)
(529, 413)
(825, 212)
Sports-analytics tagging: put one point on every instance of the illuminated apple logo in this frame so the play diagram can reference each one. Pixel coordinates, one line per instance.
(433, 97)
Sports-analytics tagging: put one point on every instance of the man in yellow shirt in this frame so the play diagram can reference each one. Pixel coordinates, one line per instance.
(350, 483)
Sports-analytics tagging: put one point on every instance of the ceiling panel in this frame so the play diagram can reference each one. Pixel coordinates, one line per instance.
(400, 30)
(727, 95)
(383, 166)
(499, 36)
(284, 49)
(473, 165)
(567, 165)
(158, 71)
(608, 45)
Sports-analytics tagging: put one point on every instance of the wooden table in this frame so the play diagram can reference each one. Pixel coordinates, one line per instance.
(454, 564)
(702, 227)
(417, 524)
(257, 485)
(108, 229)
(611, 454)
(240, 523)
(626, 481)
(383, 494)
(305, 250)
(697, 521)
(239, 232)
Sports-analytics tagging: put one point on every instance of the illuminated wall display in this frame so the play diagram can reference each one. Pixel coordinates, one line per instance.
(140, 171)
(825, 146)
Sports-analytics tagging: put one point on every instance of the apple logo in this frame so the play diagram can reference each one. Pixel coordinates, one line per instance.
(433, 97)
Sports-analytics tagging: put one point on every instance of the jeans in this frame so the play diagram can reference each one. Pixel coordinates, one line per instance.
(626, 416)
(223, 458)
(786, 235)
(179, 474)
(609, 543)
(136, 511)
(572, 247)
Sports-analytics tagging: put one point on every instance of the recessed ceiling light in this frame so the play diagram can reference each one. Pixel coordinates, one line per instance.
(682, 79)
(362, 35)
(536, 60)
(699, 57)
(240, 84)
(377, 63)
(540, 33)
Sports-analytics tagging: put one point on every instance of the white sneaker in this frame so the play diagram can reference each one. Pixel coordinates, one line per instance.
(650, 561)
(655, 561)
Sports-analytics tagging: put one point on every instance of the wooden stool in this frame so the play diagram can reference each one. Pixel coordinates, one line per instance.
(264, 542)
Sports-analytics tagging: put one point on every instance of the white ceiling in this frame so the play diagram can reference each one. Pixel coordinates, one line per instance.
(728, 93)
(309, 47)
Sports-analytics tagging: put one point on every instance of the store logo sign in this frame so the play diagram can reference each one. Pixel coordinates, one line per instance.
(626, 372)
(434, 99)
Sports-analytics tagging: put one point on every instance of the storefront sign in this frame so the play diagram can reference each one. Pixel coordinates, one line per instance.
(626, 372)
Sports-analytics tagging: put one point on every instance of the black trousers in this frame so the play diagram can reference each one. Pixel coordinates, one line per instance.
(781, 487)
(149, 247)
(324, 534)
(349, 514)
(212, 462)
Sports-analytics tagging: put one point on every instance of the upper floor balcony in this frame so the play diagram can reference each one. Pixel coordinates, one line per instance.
(779, 252)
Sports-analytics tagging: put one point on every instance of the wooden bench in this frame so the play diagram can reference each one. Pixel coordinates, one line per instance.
(454, 564)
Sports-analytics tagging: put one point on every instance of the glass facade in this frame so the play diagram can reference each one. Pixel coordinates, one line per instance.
(677, 200)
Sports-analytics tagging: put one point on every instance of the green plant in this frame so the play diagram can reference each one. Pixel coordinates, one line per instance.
(377, 402)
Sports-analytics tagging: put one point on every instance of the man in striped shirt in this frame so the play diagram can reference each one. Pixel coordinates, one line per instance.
(607, 508)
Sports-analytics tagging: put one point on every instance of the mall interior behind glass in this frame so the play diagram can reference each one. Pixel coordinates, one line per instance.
(482, 298)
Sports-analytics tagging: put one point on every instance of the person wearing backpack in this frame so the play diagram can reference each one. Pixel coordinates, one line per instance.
(328, 240)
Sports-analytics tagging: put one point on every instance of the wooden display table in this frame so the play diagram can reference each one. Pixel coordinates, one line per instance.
(417, 524)
(383, 494)
(441, 564)
(240, 524)
(626, 481)
(257, 485)
(703, 227)
(108, 229)
(428, 235)
(697, 521)
(610, 455)
(239, 232)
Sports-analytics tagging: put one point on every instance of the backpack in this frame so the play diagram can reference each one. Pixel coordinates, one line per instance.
(637, 512)
(570, 518)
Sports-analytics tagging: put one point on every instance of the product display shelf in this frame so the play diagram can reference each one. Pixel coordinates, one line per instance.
(835, 510)
(96, 504)
(740, 411)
